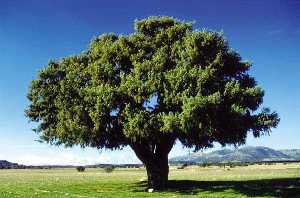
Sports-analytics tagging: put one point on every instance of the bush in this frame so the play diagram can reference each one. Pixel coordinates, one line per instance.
(109, 169)
(80, 168)
(232, 165)
(182, 166)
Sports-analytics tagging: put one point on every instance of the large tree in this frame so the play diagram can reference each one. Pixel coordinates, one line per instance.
(165, 82)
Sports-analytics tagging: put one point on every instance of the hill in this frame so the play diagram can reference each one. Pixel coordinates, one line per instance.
(6, 165)
(244, 154)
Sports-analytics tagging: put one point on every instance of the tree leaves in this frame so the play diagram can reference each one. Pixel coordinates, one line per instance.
(203, 93)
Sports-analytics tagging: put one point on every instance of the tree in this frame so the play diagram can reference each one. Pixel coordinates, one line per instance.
(80, 168)
(165, 82)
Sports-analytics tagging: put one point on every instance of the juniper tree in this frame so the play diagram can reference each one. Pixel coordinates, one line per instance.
(164, 83)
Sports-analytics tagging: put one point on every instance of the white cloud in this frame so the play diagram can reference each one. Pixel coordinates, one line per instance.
(50, 155)
(63, 158)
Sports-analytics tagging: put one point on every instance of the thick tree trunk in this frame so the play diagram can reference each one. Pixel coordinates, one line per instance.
(157, 172)
(155, 159)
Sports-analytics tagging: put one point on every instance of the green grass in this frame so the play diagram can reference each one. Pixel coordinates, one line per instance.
(251, 181)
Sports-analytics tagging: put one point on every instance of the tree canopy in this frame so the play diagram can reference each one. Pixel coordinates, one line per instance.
(162, 83)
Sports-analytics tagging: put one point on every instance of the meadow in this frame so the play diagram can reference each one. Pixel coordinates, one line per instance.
(281, 180)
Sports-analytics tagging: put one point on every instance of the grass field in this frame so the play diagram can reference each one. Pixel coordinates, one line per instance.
(251, 181)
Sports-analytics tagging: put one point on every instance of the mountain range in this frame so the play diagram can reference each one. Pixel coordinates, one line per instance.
(6, 164)
(244, 154)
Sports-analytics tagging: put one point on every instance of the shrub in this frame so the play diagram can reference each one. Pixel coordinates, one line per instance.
(80, 168)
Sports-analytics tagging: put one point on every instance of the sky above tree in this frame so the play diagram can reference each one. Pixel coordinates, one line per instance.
(31, 32)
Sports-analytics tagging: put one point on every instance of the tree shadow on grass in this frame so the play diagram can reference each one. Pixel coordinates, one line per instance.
(285, 187)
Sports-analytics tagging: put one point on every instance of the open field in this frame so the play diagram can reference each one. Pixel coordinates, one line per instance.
(255, 180)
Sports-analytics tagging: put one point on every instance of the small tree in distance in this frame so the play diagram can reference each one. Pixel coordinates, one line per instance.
(109, 169)
(80, 168)
(165, 82)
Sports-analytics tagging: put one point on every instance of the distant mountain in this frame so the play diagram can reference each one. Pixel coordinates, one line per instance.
(244, 154)
(295, 153)
(6, 164)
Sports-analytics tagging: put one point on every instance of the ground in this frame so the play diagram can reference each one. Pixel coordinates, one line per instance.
(281, 180)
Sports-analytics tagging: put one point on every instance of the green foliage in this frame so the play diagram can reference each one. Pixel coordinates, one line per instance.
(199, 88)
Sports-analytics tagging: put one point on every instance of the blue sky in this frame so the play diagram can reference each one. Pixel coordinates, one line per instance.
(32, 32)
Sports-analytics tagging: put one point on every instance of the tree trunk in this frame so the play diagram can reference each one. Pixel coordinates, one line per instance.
(155, 159)
(157, 172)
